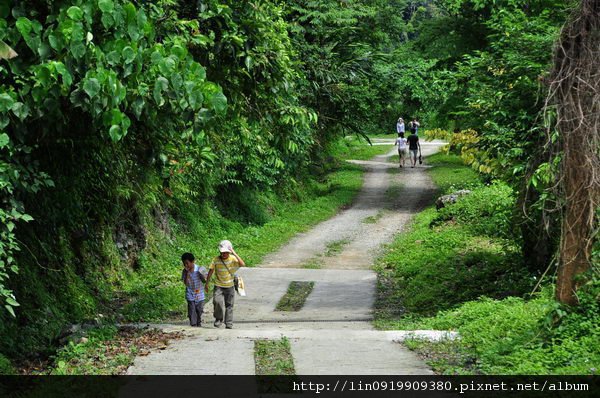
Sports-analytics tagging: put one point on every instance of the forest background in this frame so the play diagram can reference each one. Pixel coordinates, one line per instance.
(132, 131)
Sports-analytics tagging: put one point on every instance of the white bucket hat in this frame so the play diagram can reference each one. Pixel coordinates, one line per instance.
(225, 246)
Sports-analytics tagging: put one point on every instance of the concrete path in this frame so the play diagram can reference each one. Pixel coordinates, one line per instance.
(388, 199)
(332, 334)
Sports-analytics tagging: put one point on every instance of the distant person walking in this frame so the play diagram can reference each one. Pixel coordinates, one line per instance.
(400, 126)
(414, 146)
(402, 144)
(414, 126)
(224, 267)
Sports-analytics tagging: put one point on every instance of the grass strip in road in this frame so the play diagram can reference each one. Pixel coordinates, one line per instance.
(294, 298)
(335, 247)
(273, 357)
(394, 189)
(373, 219)
(314, 263)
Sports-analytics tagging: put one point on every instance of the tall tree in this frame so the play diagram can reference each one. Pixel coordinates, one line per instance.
(575, 92)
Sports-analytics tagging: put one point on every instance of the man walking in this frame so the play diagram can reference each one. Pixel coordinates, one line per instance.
(414, 147)
(414, 126)
(224, 268)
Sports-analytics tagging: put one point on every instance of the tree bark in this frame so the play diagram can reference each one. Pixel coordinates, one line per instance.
(576, 93)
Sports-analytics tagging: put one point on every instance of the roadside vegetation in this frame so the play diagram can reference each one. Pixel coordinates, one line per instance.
(460, 268)
(105, 350)
(358, 148)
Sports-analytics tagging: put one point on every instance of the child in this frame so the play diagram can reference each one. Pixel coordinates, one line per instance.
(193, 277)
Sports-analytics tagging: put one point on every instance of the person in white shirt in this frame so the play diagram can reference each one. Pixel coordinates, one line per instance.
(400, 126)
(402, 144)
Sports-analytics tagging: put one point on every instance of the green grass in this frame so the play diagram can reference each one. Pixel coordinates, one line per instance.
(334, 248)
(517, 336)
(155, 292)
(449, 173)
(393, 192)
(273, 358)
(314, 263)
(390, 135)
(295, 297)
(430, 269)
(357, 148)
(92, 356)
(373, 219)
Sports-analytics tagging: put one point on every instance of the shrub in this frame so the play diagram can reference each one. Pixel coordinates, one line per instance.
(438, 134)
(488, 210)
(6, 367)
(518, 336)
(438, 268)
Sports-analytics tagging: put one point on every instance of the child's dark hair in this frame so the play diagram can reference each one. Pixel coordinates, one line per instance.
(187, 256)
(401, 135)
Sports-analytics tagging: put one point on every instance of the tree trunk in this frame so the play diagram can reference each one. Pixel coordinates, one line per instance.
(575, 91)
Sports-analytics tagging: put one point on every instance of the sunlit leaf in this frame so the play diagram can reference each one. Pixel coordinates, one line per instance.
(4, 140)
(6, 102)
(106, 5)
(218, 102)
(75, 13)
(6, 52)
(115, 133)
(91, 87)
(10, 310)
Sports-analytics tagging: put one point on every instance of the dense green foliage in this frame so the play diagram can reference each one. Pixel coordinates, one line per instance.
(352, 147)
(347, 49)
(486, 210)
(130, 131)
(460, 268)
(516, 336)
(483, 63)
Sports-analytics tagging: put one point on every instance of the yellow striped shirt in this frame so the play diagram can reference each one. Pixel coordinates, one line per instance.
(223, 277)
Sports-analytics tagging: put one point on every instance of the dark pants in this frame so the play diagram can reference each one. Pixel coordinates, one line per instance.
(195, 309)
(223, 299)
